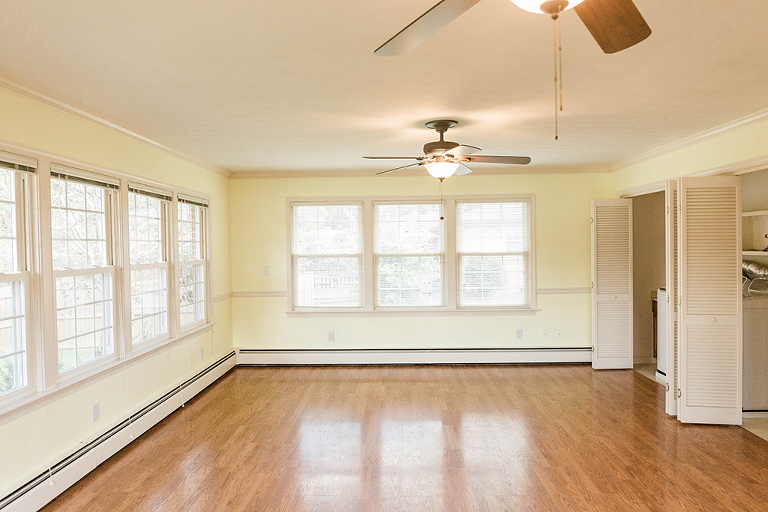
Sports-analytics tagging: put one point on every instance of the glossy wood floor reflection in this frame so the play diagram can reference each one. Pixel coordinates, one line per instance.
(460, 438)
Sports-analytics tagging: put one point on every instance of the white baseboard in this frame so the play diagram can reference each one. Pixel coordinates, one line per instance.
(644, 360)
(39, 491)
(394, 356)
(754, 414)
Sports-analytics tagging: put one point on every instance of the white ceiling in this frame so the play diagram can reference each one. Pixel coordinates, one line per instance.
(250, 85)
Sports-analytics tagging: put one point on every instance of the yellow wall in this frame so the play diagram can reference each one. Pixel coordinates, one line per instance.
(64, 424)
(562, 257)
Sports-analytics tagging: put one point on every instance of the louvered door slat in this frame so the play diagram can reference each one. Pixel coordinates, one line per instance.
(710, 293)
(671, 282)
(612, 283)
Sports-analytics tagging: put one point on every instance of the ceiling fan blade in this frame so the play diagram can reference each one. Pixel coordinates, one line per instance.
(397, 168)
(615, 24)
(462, 170)
(393, 157)
(424, 27)
(487, 159)
(462, 150)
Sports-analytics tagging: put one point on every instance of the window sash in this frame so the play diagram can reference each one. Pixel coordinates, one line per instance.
(500, 291)
(402, 293)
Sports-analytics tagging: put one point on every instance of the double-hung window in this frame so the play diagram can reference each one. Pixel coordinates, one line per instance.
(16, 360)
(327, 255)
(409, 255)
(192, 215)
(148, 212)
(82, 221)
(493, 245)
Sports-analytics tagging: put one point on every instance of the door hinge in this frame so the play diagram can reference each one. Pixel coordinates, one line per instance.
(667, 298)
(593, 348)
(679, 393)
(667, 387)
(667, 210)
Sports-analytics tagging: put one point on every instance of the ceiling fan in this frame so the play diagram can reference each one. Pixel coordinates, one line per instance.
(443, 158)
(615, 24)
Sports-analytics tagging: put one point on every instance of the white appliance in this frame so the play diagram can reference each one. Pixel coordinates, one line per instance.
(661, 332)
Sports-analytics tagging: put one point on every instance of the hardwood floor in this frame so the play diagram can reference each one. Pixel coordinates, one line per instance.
(451, 438)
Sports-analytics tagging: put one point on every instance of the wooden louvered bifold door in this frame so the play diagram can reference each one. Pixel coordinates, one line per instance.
(612, 283)
(710, 300)
(672, 296)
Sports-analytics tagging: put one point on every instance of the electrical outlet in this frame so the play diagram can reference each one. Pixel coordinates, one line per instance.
(266, 270)
(559, 334)
(543, 334)
(95, 412)
(519, 334)
(331, 335)
(202, 353)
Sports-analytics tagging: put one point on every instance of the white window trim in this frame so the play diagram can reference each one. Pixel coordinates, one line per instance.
(43, 380)
(176, 263)
(25, 204)
(451, 307)
(128, 187)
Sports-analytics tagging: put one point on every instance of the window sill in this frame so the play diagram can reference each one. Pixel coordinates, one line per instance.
(87, 376)
(411, 312)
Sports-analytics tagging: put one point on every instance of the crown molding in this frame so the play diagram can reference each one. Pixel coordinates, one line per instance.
(732, 126)
(61, 106)
(477, 171)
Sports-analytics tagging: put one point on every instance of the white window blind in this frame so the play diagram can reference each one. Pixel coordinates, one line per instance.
(327, 255)
(14, 280)
(493, 245)
(82, 231)
(147, 234)
(192, 255)
(410, 255)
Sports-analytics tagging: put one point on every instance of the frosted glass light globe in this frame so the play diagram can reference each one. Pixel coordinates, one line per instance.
(441, 169)
(535, 5)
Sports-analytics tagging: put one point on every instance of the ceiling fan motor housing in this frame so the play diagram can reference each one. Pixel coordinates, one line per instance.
(438, 147)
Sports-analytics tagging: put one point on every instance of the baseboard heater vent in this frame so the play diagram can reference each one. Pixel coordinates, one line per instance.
(72, 458)
(441, 356)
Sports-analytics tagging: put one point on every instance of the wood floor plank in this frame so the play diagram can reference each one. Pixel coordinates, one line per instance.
(429, 438)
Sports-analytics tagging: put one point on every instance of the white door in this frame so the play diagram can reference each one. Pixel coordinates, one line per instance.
(612, 283)
(672, 297)
(710, 300)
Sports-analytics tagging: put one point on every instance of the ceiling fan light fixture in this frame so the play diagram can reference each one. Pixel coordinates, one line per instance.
(441, 168)
(547, 6)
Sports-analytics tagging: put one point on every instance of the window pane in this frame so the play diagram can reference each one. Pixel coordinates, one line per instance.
(409, 229)
(12, 337)
(327, 282)
(493, 227)
(149, 304)
(192, 293)
(190, 225)
(410, 281)
(401, 232)
(494, 280)
(8, 222)
(79, 225)
(83, 319)
(327, 229)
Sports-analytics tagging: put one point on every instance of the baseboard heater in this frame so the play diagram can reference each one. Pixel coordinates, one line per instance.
(459, 356)
(42, 478)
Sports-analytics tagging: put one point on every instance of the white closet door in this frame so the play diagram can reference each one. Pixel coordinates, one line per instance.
(672, 297)
(612, 283)
(710, 295)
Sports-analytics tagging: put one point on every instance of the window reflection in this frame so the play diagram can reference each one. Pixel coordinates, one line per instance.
(331, 458)
(495, 450)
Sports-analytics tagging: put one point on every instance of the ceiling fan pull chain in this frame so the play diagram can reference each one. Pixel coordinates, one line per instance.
(560, 57)
(556, 84)
(442, 217)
